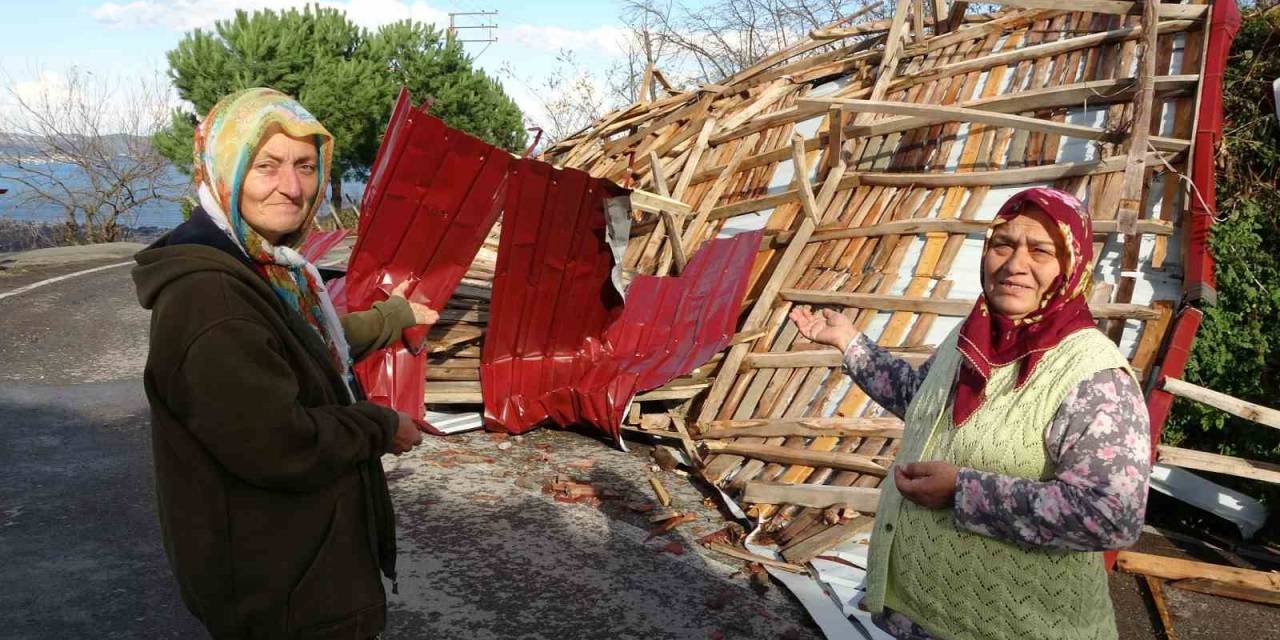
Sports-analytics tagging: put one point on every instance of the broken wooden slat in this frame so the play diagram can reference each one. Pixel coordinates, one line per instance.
(847, 461)
(1215, 463)
(669, 221)
(937, 225)
(1259, 586)
(1065, 45)
(741, 554)
(808, 203)
(1113, 7)
(941, 113)
(1133, 186)
(807, 427)
(1070, 95)
(817, 544)
(993, 178)
(812, 495)
(882, 302)
(1156, 586)
(660, 491)
(1234, 406)
(654, 203)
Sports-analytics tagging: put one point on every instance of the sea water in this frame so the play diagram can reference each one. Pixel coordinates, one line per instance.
(154, 214)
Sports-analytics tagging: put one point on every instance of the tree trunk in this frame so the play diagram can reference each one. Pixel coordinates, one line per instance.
(335, 192)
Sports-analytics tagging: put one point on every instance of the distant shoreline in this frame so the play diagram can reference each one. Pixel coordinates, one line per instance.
(25, 235)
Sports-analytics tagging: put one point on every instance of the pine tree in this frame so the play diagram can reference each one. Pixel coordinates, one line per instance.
(343, 74)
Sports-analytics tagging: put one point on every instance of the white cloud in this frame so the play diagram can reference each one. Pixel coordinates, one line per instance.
(133, 103)
(185, 15)
(606, 41)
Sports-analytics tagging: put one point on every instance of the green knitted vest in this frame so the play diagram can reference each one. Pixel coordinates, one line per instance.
(964, 586)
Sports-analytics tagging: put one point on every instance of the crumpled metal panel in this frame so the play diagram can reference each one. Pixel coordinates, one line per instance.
(432, 197)
(318, 243)
(561, 344)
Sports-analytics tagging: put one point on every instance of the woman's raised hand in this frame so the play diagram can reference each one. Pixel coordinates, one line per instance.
(826, 327)
(422, 314)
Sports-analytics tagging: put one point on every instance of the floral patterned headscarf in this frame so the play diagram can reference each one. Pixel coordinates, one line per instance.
(225, 143)
(989, 340)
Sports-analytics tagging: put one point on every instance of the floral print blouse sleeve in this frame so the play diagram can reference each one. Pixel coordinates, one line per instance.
(888, 380)
(1099, 445)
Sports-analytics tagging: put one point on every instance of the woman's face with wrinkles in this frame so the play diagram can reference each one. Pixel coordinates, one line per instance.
(1023, 258)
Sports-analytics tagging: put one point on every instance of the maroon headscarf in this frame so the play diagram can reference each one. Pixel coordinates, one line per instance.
(988, 340)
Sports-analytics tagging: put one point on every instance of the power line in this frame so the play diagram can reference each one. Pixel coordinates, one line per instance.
(489, 28)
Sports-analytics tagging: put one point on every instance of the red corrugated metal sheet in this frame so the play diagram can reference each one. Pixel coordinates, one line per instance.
(561, 345)
(432, 197)
(319, 243)
(1224, 22)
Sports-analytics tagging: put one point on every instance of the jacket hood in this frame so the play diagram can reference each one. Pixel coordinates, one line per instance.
(194, 246)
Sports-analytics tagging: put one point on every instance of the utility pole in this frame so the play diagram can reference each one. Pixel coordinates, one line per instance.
(491, 16)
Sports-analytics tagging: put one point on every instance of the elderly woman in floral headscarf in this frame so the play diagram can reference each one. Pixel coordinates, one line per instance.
(1025, 450)
(273, 504)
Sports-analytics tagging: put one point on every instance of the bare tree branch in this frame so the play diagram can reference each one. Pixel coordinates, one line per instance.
(706, 43)
(83, 145)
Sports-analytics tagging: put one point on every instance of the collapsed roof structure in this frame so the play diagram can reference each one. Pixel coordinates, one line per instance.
(873, 155)
(863, 164)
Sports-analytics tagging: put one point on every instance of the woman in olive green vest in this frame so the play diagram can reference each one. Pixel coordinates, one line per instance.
(1025, 453)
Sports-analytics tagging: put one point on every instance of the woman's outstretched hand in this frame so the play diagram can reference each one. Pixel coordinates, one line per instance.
(422, 314)
(826, 327)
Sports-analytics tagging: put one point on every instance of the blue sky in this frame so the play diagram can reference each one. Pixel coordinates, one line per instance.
(128, 38)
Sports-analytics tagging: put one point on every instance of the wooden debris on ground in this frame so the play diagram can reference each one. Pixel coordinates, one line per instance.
(1203, 577)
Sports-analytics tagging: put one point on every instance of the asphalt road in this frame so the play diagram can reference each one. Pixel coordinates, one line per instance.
(484, 553)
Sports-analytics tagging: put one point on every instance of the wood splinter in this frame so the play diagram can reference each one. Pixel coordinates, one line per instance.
(659, 490)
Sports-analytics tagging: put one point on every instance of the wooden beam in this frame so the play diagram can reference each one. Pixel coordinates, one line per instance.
(939, 16)
(941, 113)
(669, 221)
(1014, 56)
(956, 17)
(804, 427)
(1234, 406)
(1156, 586)
(787, 455)
(917, 20)
(1093, 92)
(993, 178)
(1246, 584)
(812, 495)
(815, 545)
(1135, 170)
(943, 225)
(807, 202)
(654, 203)
(1214, 463)
(1111, 7)
(835, 137)
(734, 552)
(942, 307)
